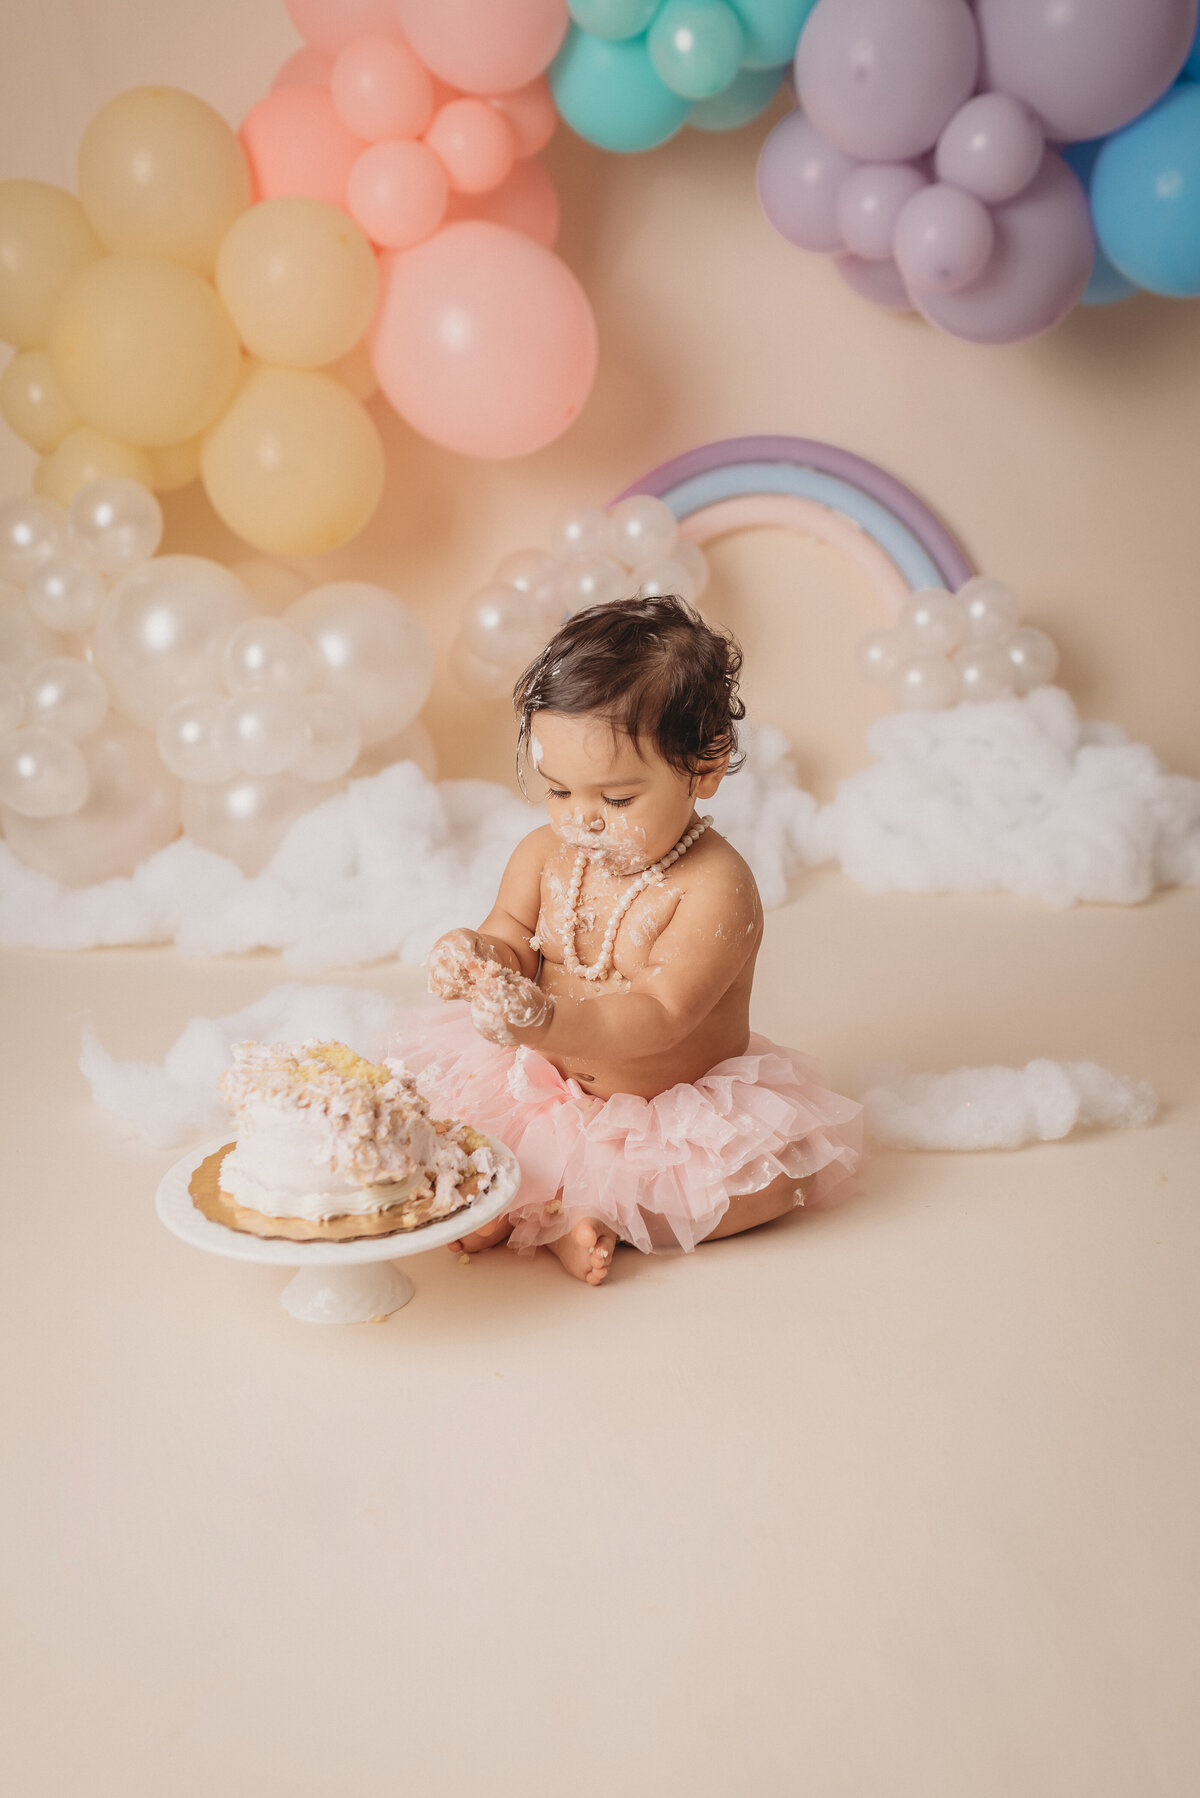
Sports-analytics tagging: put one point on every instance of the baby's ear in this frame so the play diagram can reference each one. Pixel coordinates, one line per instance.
(711, 775)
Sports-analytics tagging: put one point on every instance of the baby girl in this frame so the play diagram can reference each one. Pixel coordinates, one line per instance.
(598, 1020)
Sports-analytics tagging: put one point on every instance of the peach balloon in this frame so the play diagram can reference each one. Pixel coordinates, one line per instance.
(299, 279)
(381, 90)
(398, 193)
(144, 350)
(306, 67)
(295, 466)
(484, 46)
(175, 465)
(526, 202)
(531, 114)
(329, 24)
(297, 144)
(162, 174)
(33, 403)
(474, 143)
(85, 455)
(45, 240)
(484, 341)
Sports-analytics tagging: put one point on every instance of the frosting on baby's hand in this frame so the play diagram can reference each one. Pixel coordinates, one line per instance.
(455, 962)
(501, 998)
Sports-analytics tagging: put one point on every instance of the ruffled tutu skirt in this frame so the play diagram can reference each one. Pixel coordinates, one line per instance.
(660, 1172)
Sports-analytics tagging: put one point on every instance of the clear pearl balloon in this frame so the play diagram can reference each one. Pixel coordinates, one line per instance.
(1033, 657)
(641, 529)
(582, 534)
(934, 620)
(30, 530)
(926, 683)
(692, 559)
(132, 809)
(503, 626)
(991, 610)
(42, 773)
(162, 631)
(534, 572)
(985, 672)
(65, 694)
(333, 738)
(595, 581)
(266, 732)
(193, 738)
(374, 651)
(412, 745)
(24, 639)
(115, 524)
(880, 654)
(667, 576)
(267, 656)
(247, 819)
(65, 593)
(483, 680)
(12, 704)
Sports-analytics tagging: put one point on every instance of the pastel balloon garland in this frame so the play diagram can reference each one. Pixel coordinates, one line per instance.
(944, 155)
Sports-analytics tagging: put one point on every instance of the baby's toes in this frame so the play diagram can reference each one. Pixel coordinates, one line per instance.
(601, 1257)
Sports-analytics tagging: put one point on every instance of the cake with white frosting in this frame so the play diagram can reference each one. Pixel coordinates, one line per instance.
(332, 1146)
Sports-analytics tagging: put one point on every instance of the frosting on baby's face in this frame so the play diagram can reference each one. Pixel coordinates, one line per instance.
(609, 794)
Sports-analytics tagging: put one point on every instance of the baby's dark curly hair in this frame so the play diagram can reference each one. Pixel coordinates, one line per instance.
(653, 668)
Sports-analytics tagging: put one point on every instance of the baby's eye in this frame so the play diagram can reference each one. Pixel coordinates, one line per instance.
(555, 794)
(619, 802)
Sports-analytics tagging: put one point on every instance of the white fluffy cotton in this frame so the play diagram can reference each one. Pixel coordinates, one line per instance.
(1002, 1108)
(1017, 796)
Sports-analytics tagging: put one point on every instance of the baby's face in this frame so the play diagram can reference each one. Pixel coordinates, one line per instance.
(630, 807)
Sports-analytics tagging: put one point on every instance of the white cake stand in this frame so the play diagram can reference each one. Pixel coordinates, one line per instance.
(338, 1282)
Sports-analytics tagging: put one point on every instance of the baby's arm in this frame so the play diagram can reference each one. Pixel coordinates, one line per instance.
(713, 932)
(504, 934)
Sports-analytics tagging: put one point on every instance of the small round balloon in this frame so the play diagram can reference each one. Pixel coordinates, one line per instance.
(115, 525)
(990, 608)
(265, 655)
(593, 581)
(504, 626)
(985, 672)
(474, 143)
(333, 738)
(85, 455)
(162, 631)
(868, 203)
(24, 639)
(641, 529)
(926, 683)
(934, 619)
(193, 739)
(31, 530)
(381, 89)
(800, 180)
(992, 147)
(33, 403)
(581, 532)
(266, 731)
(943, 239)
(696, 46)
(484, 46)
(45, 241)
(1146, 196)
(610, 93)
(656, 579)
(1033, 657)
(299, 279)
(131, 810)
(880, 654)
(398, 193)
(42, 773)
(374, 651)
(66, 695)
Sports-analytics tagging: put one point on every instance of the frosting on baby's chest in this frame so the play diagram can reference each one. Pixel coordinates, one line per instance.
(639, 930)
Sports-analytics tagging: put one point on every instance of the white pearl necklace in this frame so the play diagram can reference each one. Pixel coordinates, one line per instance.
(648, 877)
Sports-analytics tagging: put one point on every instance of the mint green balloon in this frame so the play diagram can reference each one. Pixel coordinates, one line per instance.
(772, 29)
(749, 93)
(695, 46)
(610, 94)
(613, 18)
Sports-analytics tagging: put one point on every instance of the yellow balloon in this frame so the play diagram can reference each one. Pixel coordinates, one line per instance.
(300, 280)
(33, 402)
(85, 455)
(162, 174)
(175, 466)
(144, 350)
(45, 240)
(295, 466)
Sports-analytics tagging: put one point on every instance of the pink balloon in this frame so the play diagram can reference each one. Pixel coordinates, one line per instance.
(296, 144)
(484, 46)
(381, 90)
(397, 192)
(800, 175)
(329, 24)
(484, 341)
(992, 147)
(474, 143)
(532, 115)
(1039, 267)
(944, 237)
(306, 67)
(876, 280)
(1085, 66)
(869, 202)
(526, 202)
(880, 78)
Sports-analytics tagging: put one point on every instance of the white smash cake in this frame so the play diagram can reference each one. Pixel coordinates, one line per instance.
(332, 1146)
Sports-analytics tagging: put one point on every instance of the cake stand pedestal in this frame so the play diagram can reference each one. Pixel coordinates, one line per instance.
(337, 1282)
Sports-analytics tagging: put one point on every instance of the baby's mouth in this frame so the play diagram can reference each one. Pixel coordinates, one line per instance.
(617, 854)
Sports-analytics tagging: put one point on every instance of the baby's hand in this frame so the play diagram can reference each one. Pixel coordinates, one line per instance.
(501, 997)
(454, 961)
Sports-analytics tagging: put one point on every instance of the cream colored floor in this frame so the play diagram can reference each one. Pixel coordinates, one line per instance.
(898, 1500)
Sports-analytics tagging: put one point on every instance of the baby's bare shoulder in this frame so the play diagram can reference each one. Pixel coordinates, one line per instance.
(720, 876)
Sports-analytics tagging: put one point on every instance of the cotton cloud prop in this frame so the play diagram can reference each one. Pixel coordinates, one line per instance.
(176, 1102)
(1015, 796)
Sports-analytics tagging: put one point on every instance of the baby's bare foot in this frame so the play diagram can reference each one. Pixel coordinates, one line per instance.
(586, 1250)
(488, 1236)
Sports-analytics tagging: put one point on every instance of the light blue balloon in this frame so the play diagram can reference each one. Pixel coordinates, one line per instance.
(1146, 195)
(1107, 284)
(772, 29)
(613, 18)
(749, 93)
(610, 95)
(695, 46)
(1191, 67)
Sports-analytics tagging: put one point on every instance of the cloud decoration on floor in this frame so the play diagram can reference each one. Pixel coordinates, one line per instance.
(1002, 1108)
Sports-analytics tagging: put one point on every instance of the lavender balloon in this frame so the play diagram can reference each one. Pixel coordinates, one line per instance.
(1038, 269)
(944, 238)
(1085, 66)
(992, 146)
(870, 201)
(799, 177)
(878, 281)
(880, 78)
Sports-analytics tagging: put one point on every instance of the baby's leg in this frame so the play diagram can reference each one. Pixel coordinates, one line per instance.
(755, 1208)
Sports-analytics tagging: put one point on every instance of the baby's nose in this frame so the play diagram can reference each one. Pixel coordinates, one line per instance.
(596, 824)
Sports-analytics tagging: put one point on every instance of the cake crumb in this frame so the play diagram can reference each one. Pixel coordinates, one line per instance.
(464, 1261)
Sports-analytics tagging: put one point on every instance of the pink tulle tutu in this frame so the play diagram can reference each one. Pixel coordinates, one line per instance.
(661, 1171)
